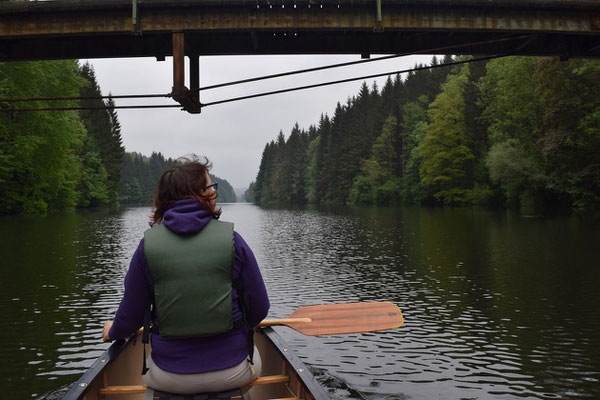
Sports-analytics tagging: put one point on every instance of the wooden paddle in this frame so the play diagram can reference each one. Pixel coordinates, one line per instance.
(333, 319)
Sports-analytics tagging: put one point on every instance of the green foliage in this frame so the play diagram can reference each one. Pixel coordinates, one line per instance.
(92, 185)
(517, 131)
(446, 156)
(481, 194)
(511, 106)
(53, 161)
(249, 194)
(571, 142)
(226, 192)
(141, 175)
(389, 193)
(377, 182)
(39, 163)
(105, 131)
(362, 191)
(413, 128)
(312, 153)
(517, 172)
(381, 166)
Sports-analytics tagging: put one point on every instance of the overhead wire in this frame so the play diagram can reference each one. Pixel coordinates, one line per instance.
(122, 96)
(90, 108)
(316, 85)
(345, 64)
(269, 93)
(238, 82)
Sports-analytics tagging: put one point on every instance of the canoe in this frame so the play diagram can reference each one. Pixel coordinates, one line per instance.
(116, 374)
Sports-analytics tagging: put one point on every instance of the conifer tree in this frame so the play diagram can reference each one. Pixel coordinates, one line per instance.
(463, 134)
(312, 196)
(104, 128)
(249, 194)
(323, 159)
(446, 156)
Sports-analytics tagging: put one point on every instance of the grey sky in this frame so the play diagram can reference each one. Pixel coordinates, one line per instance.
(232, 135)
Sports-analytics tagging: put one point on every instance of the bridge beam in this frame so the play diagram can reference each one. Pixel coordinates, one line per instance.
(103, 28)
(153, 20)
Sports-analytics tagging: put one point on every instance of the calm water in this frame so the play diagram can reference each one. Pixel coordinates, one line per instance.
(497, 306)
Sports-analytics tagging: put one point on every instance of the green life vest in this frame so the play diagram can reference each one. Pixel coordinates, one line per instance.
(192, 279)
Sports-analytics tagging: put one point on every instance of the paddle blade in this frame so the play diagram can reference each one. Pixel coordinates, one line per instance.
(333, 319)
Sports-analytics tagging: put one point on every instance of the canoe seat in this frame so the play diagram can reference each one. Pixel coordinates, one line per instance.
(125, 389)
(233, 394)
(265, 380)
(158, 395)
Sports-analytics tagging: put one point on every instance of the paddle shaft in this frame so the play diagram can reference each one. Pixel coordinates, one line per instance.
(273, 322)
(282, 321)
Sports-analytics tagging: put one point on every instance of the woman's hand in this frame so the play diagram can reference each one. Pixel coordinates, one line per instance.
(105, 331)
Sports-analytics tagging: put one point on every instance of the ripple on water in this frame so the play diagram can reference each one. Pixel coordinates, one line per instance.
(470, 331)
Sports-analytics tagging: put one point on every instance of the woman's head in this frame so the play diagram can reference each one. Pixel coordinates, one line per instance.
(186, 179)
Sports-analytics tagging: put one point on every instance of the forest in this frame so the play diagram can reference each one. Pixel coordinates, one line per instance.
(52, 161)
(141, 175)
(520, 132)
(58, 160)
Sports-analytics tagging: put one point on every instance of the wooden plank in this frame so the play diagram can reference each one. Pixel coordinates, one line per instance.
(129, 389)
(266, 380)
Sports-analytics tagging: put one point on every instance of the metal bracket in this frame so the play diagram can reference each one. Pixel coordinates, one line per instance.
(189, 99)
(135, 18)
(378, 24)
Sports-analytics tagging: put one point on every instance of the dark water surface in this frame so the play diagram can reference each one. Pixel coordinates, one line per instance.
(497, 306)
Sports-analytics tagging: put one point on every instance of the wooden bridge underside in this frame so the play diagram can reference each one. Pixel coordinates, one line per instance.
(68, 29)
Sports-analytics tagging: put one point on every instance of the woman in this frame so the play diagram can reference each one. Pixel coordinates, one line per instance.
(204, 286)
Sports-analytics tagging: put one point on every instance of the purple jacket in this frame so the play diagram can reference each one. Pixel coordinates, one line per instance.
(197, 354)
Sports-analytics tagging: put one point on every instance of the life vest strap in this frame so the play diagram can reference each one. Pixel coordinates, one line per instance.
(146, 335)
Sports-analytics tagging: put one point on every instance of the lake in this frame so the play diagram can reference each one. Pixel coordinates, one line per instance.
(497, 305)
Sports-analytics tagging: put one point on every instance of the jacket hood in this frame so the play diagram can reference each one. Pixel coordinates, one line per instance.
(186, 216)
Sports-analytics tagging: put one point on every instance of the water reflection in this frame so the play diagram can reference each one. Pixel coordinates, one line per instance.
(496, 306)
(483, 295)
(61, 278)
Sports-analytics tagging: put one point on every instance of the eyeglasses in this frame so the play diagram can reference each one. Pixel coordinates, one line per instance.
(213, 186)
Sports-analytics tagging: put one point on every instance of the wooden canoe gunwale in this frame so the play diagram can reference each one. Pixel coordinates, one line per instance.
(79, 389)
(296, 364)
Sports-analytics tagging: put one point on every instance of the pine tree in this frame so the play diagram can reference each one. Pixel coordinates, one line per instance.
(312, 196)
(104, 128)
(446, 156)
(115, 154)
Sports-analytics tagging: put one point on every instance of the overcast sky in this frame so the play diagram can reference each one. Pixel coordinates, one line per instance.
(231, 135)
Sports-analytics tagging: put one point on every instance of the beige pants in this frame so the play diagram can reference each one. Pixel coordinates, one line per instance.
(207, 382)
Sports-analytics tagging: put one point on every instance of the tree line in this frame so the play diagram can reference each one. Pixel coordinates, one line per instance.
(510, 132)
(56, 160)
(141, 175)
(51, 161)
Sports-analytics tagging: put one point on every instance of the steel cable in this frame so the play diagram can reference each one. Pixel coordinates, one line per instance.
(249, 80)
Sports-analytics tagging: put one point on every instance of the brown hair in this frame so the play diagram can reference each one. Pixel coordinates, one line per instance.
(186, 179)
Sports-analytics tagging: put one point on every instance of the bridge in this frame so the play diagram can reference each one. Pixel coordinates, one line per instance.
(66, 29)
